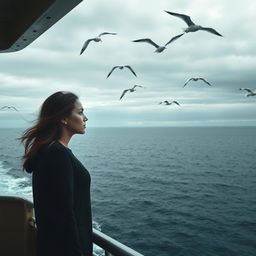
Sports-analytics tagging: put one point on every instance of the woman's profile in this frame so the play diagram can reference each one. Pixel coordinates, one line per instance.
(61, 184)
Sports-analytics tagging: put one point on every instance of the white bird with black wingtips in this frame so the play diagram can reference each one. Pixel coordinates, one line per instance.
(192, 27)
(196, 79)
(249, 92)
(131, 90)
(121, 67)
(95, 39)
(159, 48)
(166, 102)
(12, 107)
(9, 107)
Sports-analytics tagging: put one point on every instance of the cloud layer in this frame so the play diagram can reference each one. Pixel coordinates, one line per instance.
(53, 63)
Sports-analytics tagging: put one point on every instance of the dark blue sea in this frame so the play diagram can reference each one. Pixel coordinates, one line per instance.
(162, 191)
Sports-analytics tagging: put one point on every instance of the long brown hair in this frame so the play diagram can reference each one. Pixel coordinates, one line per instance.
(48, 127)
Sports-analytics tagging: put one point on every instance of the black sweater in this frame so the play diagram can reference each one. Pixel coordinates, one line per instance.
(61, 193)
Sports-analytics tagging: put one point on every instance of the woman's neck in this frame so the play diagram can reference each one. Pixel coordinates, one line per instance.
(63, 142)
(65, 138)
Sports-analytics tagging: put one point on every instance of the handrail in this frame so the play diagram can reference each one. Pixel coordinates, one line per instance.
(110, 246)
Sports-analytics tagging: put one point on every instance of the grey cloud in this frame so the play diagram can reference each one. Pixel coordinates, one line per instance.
(53, 63)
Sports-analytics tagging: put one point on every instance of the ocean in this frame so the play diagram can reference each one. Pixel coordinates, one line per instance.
(162, 191)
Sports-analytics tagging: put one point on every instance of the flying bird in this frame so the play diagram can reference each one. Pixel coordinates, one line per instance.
(166, 102)
(158, 47)
(192, 27)
(95, 39)
(121, 67)
(131, 90)
(249, 92)
(9, 107)
(196, 79)
(12, 107)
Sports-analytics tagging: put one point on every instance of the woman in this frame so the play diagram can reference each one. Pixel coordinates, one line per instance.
(61, 184)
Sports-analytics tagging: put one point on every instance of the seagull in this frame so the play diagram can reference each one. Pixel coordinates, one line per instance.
(158, 47)
(196, 79)
(166, 102)
(249, 92)
(121, 67)
(9, 107)
(12, 107)
(131, 90)
(95, 39)
(192, 27)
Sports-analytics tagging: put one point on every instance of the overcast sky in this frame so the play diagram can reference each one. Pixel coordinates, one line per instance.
(52, 63)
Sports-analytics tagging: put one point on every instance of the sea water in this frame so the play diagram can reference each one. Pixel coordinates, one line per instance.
(162, 191)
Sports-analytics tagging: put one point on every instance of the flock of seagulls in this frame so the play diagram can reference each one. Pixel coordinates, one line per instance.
(191, 27)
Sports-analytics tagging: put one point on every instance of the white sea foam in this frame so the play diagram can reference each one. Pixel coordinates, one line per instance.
(11, 186)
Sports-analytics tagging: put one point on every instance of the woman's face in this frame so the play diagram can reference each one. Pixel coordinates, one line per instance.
(76, 121)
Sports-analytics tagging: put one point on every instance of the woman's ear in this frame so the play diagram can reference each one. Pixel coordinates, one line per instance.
(63, 121)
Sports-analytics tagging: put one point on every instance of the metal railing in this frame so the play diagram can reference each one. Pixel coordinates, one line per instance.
(111, 246)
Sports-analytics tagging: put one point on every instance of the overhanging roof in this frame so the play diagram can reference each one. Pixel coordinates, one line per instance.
(22, 21)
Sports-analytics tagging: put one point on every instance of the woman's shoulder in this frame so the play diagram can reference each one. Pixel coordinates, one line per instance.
(55, 148)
